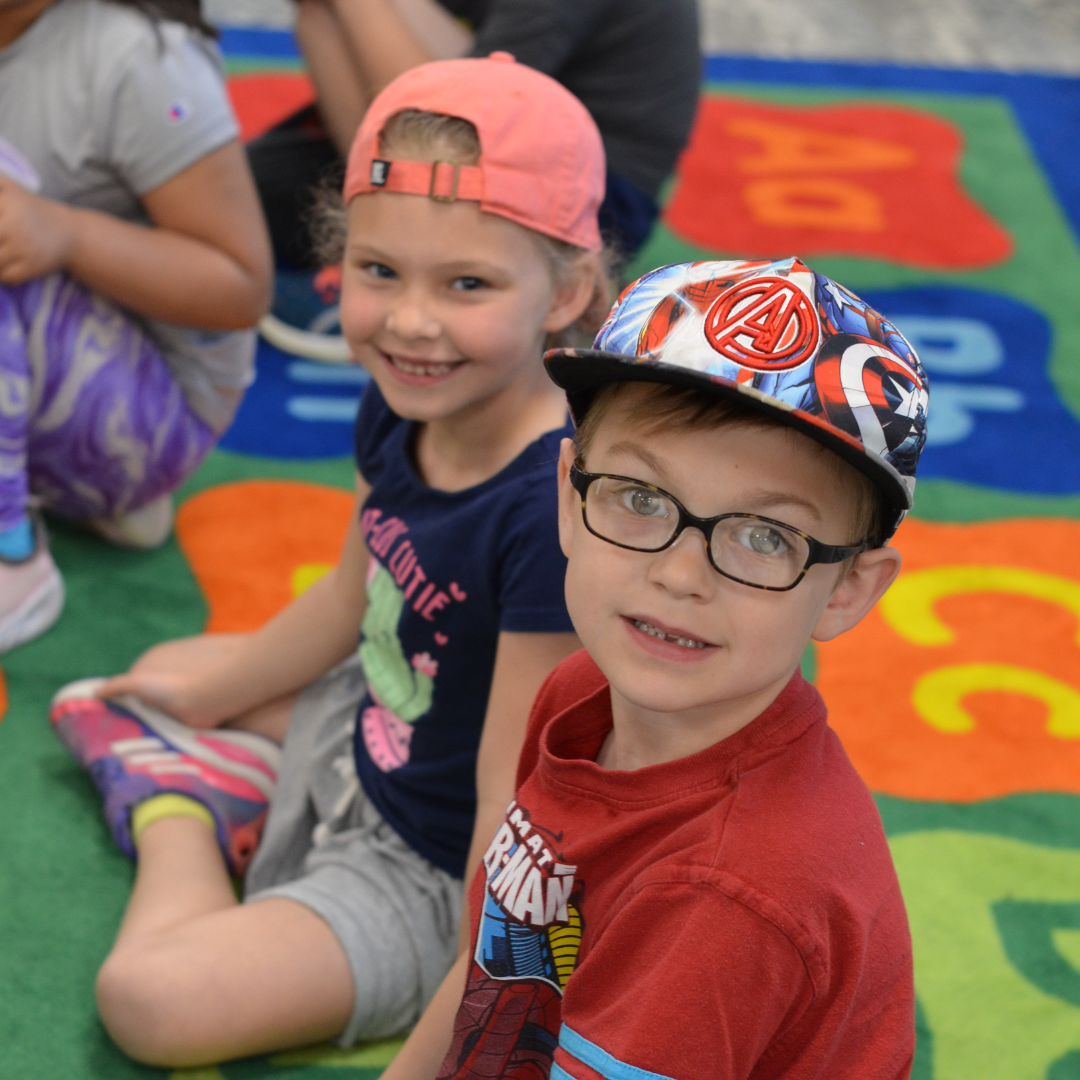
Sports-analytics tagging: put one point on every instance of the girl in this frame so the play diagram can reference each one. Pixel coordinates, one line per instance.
(132, 255)
(472, 193)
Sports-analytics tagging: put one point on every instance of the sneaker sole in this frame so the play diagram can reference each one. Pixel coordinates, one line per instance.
(35, 614)
(327, 348)
(185, 739)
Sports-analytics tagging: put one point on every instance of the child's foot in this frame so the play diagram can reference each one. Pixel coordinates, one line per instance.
(31, 589)
(134, 752)
(146, 528)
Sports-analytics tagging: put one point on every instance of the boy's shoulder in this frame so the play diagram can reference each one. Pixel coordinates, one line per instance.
(790, 816)
(801, 844)
(797, 835)
(573, 681)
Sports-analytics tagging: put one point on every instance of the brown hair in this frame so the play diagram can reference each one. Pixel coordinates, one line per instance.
(669, 408)
(188, 12)
(451, 138)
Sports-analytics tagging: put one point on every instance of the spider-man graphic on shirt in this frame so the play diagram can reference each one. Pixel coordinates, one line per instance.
(526, 948)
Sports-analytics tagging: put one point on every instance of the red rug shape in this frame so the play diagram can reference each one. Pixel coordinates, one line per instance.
(263, 100)
(873, 180)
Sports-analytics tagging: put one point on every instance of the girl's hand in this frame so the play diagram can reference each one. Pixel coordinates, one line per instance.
(175, 693)
(37, 235)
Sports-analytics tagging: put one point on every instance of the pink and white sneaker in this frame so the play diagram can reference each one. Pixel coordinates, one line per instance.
(134, 752)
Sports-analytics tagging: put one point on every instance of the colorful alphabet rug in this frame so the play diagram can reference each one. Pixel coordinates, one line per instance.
(951, 200)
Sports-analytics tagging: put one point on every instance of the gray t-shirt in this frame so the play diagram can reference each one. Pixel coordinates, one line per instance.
(634, 64)
(106, 106)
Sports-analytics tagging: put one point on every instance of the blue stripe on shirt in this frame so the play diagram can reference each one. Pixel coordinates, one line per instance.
(598, 1059)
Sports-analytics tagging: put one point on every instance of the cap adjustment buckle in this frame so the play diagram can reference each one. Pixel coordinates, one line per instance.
(452, 197)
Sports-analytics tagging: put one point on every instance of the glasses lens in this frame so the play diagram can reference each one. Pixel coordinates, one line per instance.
(759, 552)
(630, 514)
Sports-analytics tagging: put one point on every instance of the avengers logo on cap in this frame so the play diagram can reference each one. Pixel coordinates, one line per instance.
(765, 323)
(786, 340)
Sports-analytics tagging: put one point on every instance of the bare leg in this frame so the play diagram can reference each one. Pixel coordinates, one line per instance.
(441, 35)
(196, 978)
(194, 653)
(343, 90)
(342, 95)
(270, 719)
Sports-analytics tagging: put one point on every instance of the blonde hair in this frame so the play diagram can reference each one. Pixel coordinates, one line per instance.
(450, 138)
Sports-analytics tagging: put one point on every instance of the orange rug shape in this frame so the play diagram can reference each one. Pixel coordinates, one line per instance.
(253, 546)
(872, 180)
(263, 100)
(964, 682)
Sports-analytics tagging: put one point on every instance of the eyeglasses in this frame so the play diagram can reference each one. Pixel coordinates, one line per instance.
(747, 548)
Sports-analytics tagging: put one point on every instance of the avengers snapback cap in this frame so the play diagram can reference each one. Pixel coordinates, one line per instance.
(785, 341)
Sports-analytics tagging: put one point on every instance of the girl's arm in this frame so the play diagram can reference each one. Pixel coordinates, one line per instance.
(522, 663)
(315, 632)
(206, 261)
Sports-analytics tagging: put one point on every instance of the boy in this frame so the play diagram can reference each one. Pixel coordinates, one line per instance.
(692, 881)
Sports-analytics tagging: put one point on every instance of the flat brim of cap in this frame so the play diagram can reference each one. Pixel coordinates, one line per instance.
(581, 373)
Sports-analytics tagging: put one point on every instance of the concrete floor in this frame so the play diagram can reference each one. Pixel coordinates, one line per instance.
(276, 13)
(1033, 35)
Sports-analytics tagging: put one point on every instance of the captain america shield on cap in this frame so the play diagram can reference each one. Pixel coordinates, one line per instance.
(785, 340)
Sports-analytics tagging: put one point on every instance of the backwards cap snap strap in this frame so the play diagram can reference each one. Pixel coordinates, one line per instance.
(443, 181)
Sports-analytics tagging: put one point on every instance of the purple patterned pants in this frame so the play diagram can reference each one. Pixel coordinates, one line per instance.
(91, 420)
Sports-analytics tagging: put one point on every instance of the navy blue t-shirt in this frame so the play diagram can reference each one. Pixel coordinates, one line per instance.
(449, 571)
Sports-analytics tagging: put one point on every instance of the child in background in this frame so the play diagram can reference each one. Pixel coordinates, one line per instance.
(692, 881)
(634, 64)
(132, 256)
(472, 194)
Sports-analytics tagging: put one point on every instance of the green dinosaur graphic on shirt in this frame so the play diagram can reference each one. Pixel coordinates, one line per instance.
(401, 686)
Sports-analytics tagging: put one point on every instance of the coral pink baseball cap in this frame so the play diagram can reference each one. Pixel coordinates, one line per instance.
(541, 159)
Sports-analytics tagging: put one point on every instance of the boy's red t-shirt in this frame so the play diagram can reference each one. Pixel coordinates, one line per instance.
(731, 914)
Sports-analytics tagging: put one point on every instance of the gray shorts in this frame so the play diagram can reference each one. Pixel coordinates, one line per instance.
(327, 847)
